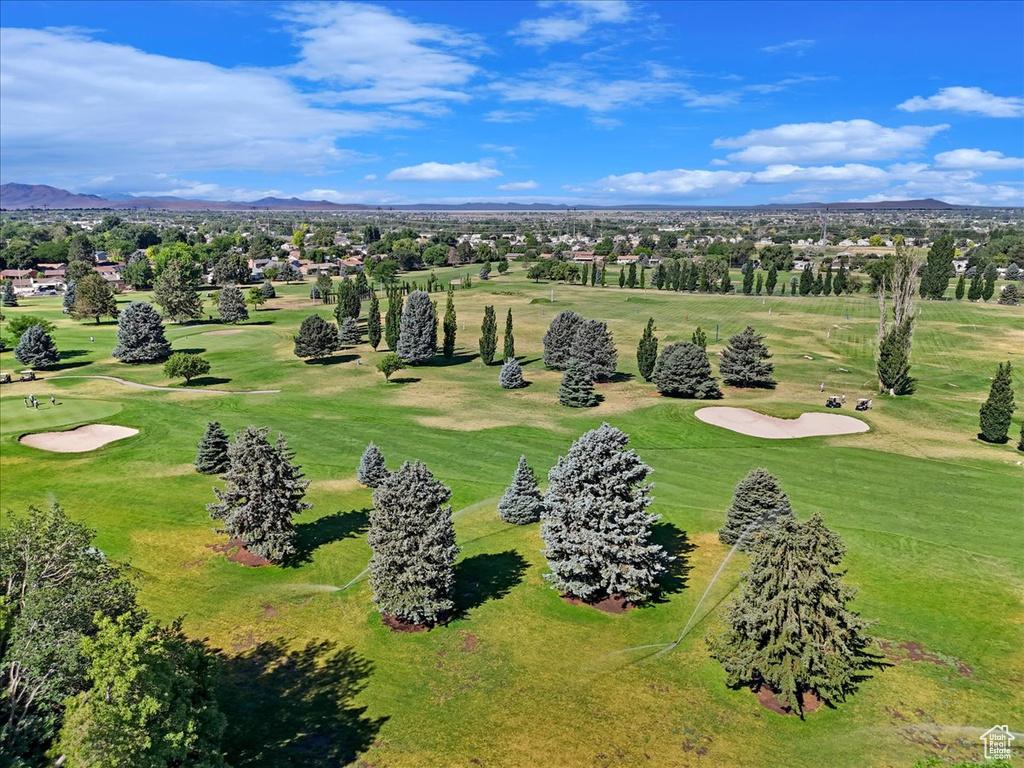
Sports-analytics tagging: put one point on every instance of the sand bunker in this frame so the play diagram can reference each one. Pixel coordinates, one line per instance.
(87, 438)
(755, 424)
(231, 332)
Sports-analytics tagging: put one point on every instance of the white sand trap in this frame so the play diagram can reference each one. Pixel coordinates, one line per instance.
(222, 333)
(87, 438)
(755, 424)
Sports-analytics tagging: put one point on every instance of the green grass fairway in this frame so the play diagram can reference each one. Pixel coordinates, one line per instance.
(933, 520)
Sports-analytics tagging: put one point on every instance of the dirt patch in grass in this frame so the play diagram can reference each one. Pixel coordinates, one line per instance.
(766, 697)
(230, 332)
(336, 485)
(236, 552)
(615, 604)
(470, 642)
(395, 624)
(911, 651)
(269, 611)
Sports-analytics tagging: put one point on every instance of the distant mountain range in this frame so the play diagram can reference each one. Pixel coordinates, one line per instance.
(40, 196)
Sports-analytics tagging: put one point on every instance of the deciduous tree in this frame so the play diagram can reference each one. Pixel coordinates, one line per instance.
(185, 365)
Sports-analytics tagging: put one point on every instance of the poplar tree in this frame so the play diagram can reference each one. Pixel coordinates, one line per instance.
(140, 335)
(839, 282)
(760, 283)
(451, 325)
(726, 281)
(36, 349)
(595, 524)
(631, 277)
(521, 503)
(806, 280)
(594, 348)
(743, 361)
(989, 287)
(373, 329)
(748, 278)
(997, 411)
(212, 453)
(264, 492)
(577, 388)
(350, 334)
(317, 338)
(790, 629)
(683, 370)
(393, 319)
(960, 287)
(827, 286)
(488, 336)
(511, 375)
(939, 267)
(417, 340)
(412, 538)
(622, 277)
(758, 502)
(372, 467)
(975, 289)
(647, 351)
(509, 351)
(558, 339)
(231, 305)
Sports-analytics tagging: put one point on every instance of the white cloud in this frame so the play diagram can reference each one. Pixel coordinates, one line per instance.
(571, 22)
(515, 186)
(792, 46)
(851, 174)
(504, 149)
(444, 172)
(370, 177)
(675, 183)
(912, 181)
(825, 142)
(573, 86)
(971, 100)
(97, 107)
(379, 57)
(978, 160)
(506, 116)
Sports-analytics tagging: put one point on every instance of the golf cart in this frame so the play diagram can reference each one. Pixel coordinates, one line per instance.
(833, 402)
(5, 378)
(863, 404)
(27, 376)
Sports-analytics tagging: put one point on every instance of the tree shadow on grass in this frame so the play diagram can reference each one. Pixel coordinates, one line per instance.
(73, 353)
(247, 323)
(67, 366)
(440, 361)
(332, 360)
(206, 381)
(404, 380)
(191, 350)
(617, 378)
(524, 362)
(309, 537)
(677, 573)
(485, 577)
(294, 707)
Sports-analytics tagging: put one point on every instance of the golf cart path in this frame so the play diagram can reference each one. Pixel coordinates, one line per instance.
(137, 385)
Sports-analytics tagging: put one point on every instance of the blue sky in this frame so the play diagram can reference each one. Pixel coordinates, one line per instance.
(607, 102)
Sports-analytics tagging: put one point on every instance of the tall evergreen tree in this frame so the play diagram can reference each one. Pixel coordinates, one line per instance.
(631, 275)
(521, 503)
(596, 528)
(323, 287)
(511, 375)
(577, 388)
(412, 538)
(818, 285)
(175, 292)
(989, 287)
(743, 361)
(997, 411)
(417, 341)
(704, 281)
(790, 629)
(622, 277)
(488, 336)
(594, 348)
(840, 281)
(748, 278)
(94, 298)
(349, 334)
(760, 283)
(894, 361)
(317, 338)
(264, 491)
(683, 370)
(36, 349)
(758, 502)
(68, 302)
(806, 280)
(647, 351)
(939, 267)
(268, 291)
(373, 329)
(692, 277)
(140, 335)
(509, 351)
(372, 467)
(212, 453)
(726, 281)
(231, 305)
(349, 303)
(8, 298)
(700, 338)
(558, 339)
(393, 319)
(827, 286)
(451, 325)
